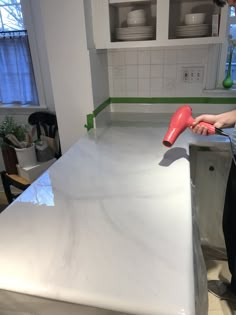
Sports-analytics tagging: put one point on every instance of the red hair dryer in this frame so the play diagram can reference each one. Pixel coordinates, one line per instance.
(182, 119)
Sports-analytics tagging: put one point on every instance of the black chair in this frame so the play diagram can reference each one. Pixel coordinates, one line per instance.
(9, 180)
(46, 124)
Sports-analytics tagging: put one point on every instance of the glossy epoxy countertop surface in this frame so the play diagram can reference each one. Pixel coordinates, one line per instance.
(108, 225)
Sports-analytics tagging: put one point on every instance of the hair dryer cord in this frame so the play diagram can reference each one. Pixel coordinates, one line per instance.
(222, 133)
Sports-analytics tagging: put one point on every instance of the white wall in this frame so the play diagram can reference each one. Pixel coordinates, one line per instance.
(99, 67)
(156, 72)
(75, 75)
(69, 64)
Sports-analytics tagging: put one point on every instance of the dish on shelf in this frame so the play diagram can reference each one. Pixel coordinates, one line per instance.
(118, 2)
(136, 13)
(135, 33)
(136, 21)
(135, 30)
(192, 30)
(194, 18)
(192, 26)
(135, 37)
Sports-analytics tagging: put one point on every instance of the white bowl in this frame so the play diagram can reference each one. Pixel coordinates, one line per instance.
(194, 18)
(136, 13)
(139, 21)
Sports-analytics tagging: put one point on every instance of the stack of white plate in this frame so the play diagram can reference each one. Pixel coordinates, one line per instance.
(193, 30)
(135, 33)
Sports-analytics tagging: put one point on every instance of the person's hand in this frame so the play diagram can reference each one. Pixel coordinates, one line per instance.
(223, 120)
(202, 130)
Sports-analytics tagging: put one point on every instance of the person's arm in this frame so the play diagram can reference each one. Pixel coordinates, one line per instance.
(224, 120)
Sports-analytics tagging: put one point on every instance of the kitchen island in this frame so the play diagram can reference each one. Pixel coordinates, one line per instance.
(107, 229)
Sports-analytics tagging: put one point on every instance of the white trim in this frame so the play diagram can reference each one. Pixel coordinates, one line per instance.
(216, 66)
(222, 61)
(212, 69)
(223, 53)
(20, 110)
(28, 16)
(220, 92)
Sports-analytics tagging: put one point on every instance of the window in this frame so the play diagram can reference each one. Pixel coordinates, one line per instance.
(232, 33)
(17, 82)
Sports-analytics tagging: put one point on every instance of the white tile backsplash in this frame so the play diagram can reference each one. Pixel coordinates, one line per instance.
(144, 87)
(132, 87)
(144, 71)
(119, 87)
(170, 72)
(169, 87)
(157, 57)
(131, 71)
(192, 55)
(119, 72)
(156, 87)
(157, 71)
(170, 57)
(131, 57)
(154, 72)
(118, 58)
(144, 57)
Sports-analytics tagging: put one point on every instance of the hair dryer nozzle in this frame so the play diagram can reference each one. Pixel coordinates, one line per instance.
(178, 123)
(171, 136)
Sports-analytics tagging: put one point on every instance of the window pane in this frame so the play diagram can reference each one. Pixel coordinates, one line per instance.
(7, 2)
(232, 32)
(12, 18)
(232, 11)
(17, 84)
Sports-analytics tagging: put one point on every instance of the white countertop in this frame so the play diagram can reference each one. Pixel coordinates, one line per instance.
(108, 225)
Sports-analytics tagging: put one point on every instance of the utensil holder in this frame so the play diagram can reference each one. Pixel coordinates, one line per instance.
(26, 156)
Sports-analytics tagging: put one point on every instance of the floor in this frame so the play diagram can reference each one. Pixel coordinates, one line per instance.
(3, 201)
(217, 268)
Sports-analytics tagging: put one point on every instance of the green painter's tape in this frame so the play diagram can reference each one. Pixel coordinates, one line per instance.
(173, 100)
(156, 100)
(90, 123)
(101, 107)
(90, 117)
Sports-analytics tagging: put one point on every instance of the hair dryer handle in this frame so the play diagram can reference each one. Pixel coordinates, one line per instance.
(211, 130)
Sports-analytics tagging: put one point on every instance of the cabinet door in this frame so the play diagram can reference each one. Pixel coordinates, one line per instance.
(185, 28)
(101, 24)
(164, 23)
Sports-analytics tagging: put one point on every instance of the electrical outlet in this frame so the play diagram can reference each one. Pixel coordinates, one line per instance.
(185, 75)
(192, 74)
(199, 72)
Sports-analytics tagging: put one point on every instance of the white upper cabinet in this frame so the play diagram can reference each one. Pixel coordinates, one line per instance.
(156, 23)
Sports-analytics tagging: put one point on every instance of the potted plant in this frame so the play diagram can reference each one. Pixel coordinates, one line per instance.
(14, 138)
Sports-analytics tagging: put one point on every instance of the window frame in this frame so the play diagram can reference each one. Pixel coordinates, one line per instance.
(223, 52)
(28, 17)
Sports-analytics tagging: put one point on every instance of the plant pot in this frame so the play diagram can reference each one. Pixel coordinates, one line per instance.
(26, 156)
(9, 159)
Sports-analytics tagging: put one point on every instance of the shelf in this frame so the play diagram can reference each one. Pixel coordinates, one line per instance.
(166, 43)
(118, 2)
